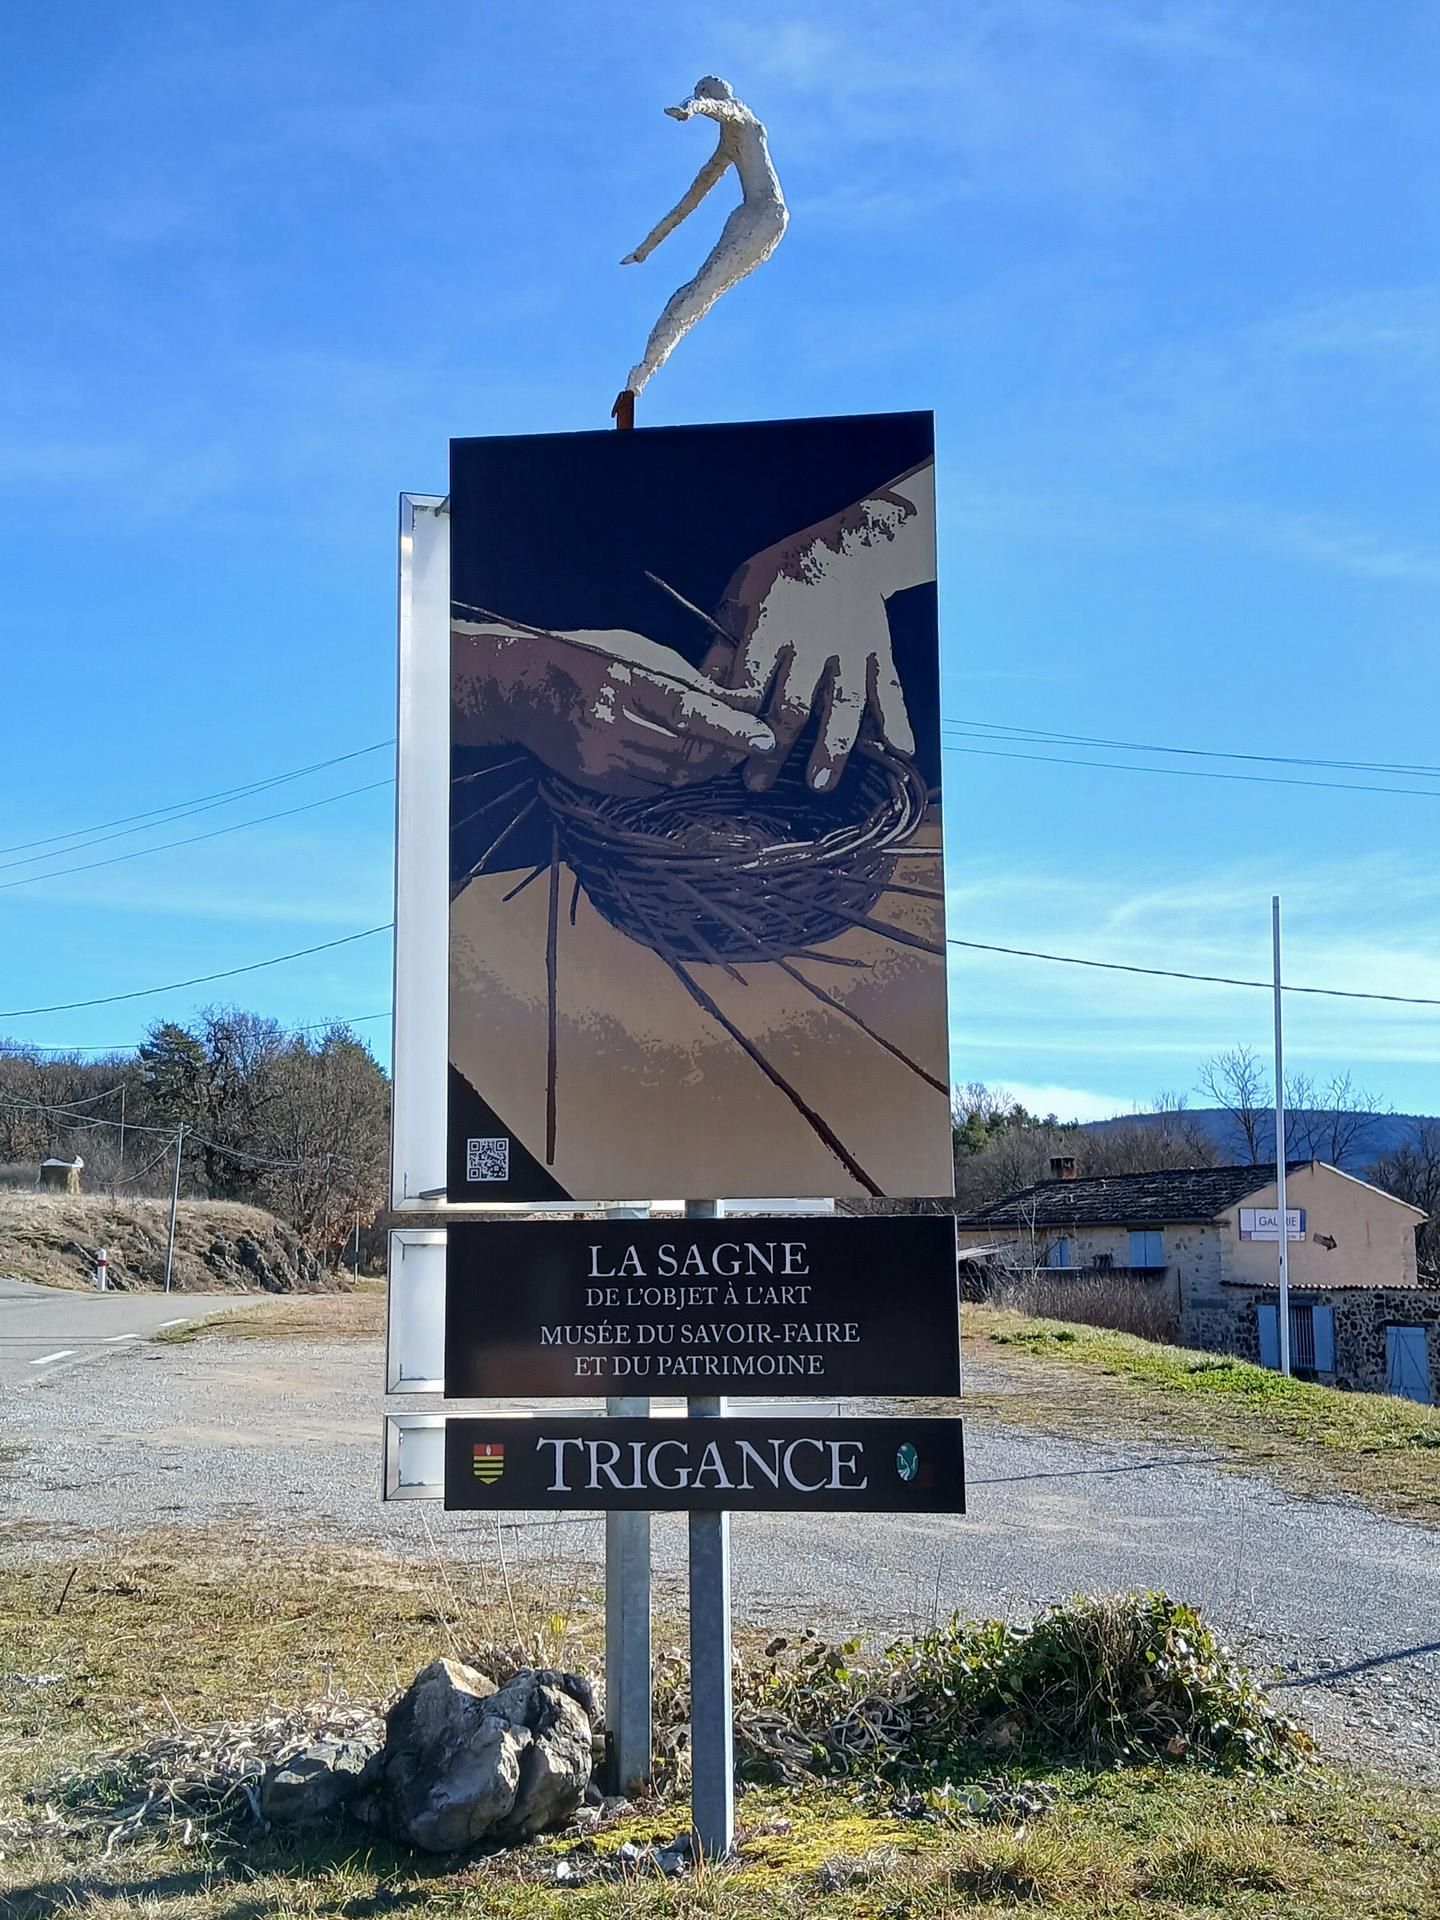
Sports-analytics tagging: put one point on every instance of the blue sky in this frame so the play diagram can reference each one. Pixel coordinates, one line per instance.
(1166, 272)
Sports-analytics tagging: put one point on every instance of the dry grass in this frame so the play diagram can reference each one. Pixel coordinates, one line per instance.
(197, 1629)
(1316, 1439)
(356, 1314)
(53, 1239)
(1095, 1299)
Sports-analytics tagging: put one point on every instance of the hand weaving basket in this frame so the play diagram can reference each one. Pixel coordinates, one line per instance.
(718, 873)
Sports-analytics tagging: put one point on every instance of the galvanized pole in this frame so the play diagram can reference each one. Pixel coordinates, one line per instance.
(712, 1733)
(628, 1670)
(1280, 1154)
(174, 1204)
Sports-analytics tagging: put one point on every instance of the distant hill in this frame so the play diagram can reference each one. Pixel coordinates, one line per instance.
(1379, 1133)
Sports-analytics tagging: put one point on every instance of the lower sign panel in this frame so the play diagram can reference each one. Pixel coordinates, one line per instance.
(826, 1465)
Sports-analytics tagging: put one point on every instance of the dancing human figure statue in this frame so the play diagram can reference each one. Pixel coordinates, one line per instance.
(750, 235)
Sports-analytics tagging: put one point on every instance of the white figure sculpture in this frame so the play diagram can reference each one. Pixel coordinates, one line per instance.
(750, 235)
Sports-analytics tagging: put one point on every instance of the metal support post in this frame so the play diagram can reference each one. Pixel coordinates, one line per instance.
(712, 1734)
(628, 1730)
(174, 1203)
(629, 1733)
(1280, 1153)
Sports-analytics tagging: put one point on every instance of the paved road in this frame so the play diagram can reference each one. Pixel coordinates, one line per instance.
(284, 1436)
(47, 1327)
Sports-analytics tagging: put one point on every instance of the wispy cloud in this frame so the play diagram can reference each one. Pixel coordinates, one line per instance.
(1371, 925)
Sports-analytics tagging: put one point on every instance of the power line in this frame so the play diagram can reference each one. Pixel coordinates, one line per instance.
(178, 809)
(1205, 753)
(1210, 979)
(199, 980)
(130, 1046)
(1188, 773)
(191, 840)
(73, 1121)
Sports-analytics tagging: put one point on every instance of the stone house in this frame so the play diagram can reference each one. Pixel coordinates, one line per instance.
(1204, 1242)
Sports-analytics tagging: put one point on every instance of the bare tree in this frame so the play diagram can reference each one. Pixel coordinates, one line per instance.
(1411, 1171)
(1237, 1082)
(1163, 1135)
(1334, 1123)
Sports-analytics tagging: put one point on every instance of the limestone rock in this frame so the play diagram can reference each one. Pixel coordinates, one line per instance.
(465, 1761)
(555, 1765)
(316, 1782)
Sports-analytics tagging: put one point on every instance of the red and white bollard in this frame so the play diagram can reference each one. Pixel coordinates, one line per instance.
(101, 1277)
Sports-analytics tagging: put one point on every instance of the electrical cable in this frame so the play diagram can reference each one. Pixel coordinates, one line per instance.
(1204, 753)
(194, 839)
(132, 1046)
(92, 1121)
(178, 809)
(1186, 773)
(1210, 979)
(199, 979)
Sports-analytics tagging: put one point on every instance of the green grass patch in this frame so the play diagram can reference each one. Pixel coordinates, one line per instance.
(1381, 1448)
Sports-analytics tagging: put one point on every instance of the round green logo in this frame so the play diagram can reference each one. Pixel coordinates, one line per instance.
(907, 1462)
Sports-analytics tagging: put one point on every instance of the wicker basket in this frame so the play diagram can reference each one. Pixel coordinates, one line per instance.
(716, 872)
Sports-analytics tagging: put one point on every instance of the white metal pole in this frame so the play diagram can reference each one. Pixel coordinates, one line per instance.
(628, 1661)
(100, 1272)
(174, 1204)
(1280, 1154)
(712, 1732)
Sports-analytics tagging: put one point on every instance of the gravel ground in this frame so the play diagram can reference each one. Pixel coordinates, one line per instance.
(1343, 1606)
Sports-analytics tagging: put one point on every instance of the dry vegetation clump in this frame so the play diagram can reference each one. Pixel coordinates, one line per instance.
(1115, 1680)
(1093, 1299)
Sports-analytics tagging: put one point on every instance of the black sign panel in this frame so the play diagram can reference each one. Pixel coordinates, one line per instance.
(819, 1465)
(794, 1306)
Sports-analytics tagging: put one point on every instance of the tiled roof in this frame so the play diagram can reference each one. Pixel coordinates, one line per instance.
(1127, 1199)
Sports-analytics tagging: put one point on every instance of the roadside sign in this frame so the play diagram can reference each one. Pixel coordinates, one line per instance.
(788, 1306)
(817, 1465)
(1263, 1223)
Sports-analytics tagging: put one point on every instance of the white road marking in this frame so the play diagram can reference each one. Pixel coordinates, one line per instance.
(46, 1358)
(114, 1339)
(173, 1323)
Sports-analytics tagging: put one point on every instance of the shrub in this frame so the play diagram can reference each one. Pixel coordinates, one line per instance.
(1117, 1680)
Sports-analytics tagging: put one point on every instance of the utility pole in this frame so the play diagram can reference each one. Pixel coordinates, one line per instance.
(1280, 1154)
(174, 1203)
(120, 1177)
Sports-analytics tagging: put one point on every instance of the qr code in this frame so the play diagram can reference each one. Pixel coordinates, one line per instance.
(487, 1159)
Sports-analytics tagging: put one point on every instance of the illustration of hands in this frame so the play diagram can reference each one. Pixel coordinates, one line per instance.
(812, 634)
(606, 708)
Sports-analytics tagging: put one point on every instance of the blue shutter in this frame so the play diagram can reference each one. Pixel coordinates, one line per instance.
(1323, 1320)
(1145, 1247)
(1268, 1321)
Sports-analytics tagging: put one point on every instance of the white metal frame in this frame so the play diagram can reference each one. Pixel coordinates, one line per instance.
(414, 1456)
(415, 1311)
(422, 827)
